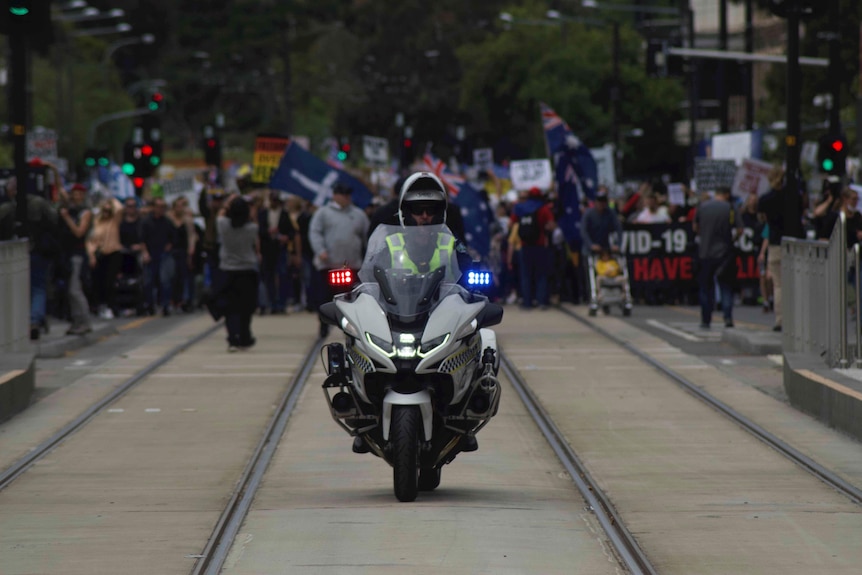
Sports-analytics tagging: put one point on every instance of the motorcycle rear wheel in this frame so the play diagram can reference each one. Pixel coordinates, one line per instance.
(429, 479)
(404, 440)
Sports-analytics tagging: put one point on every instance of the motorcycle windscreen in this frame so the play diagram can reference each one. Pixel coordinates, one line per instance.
(409, 265)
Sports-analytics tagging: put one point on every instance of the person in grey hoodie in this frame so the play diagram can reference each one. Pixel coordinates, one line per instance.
(337, 234)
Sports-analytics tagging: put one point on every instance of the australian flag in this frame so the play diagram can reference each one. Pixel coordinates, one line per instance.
(472, 203)
(303, 174)
(556, 129)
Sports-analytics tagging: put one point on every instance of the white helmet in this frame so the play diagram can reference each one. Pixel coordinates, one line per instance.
(422, 189)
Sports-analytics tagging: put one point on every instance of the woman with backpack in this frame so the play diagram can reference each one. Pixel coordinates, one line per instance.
(534, 220)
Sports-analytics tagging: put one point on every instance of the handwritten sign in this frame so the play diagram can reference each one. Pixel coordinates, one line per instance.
(483, 158)
(268, 151)
(710, 174)
(527, 174)
(752, 178)
(375, 150)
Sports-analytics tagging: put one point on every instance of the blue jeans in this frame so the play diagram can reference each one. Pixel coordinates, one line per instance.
(40, 269)
(535, 269)
(159, 273)
(273, 272)
(707, 280)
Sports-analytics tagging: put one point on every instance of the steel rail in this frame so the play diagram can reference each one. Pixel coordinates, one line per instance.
(623, 542)
(214, 555)
(826, 475)
(9, 474)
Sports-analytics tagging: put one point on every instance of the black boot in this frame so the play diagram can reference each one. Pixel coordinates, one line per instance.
(469, 443)
(359, 445)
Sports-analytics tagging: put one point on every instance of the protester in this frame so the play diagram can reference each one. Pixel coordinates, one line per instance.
(652, 212)
(43, 226)
(717, 226)
(210, 203)
(182, 252)
(535, 221)
(239, 258)
(277, 237)
(77, 217)
(158, 236)
(300, 212)
(338, 234)
(773, 205)
(105, 255)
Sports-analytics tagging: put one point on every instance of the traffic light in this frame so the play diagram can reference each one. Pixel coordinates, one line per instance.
(91, 158)
(212, 151)
(157, 101)
(32, 17)
(407, 151)
(344, 151)
(138, 182)
(832, 154)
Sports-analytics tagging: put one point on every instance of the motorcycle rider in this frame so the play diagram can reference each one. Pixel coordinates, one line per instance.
(423, 201)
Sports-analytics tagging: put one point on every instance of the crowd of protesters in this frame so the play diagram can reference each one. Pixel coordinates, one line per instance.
(98, 257)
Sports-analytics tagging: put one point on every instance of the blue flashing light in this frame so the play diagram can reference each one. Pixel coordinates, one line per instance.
(479, 279)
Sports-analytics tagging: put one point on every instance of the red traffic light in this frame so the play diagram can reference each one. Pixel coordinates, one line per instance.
(211, 143)
(345, 147)
(138, 182)
(147, 150)
(837, 145)
(408, 142)
(157, 97)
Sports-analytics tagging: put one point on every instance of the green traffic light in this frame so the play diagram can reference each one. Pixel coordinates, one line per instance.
(153, 106)
(104, 162)
(19, 11)
(828, 165)
(342, 156)
(128, 169)
(90, 162)
(155, 160)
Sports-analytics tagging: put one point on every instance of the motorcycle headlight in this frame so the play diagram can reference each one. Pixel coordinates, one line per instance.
(427, 347)
(383, 346)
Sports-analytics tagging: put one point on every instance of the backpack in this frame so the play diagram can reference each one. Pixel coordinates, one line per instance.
(528, 228)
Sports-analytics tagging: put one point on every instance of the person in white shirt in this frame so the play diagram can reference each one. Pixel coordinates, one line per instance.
(652, 213)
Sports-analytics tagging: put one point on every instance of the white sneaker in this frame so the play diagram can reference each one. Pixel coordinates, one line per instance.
(232, 349)
(106, 314)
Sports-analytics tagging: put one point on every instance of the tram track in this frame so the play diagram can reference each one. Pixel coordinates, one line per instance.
(8, 475)
(626, 547)
(215, 553)
(821, 472)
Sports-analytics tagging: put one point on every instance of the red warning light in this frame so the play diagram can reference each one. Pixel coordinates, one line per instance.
(340, 277)
(147, 150)
(138, 182)
(408, 142)
(837, 145)
(211, 143)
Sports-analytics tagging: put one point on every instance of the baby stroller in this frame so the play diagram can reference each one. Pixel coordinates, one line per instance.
(605, 291)
(130, 284)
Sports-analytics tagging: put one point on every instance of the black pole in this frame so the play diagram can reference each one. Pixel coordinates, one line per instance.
(18, 48)
(722, 66)
(749, 67)
(615, 98)
(835, 72)
(693, 103)
(792, 214)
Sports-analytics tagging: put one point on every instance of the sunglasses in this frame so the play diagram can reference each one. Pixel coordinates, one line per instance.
(430, 208)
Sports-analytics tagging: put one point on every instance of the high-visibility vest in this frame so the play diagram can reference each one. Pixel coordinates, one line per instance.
(401, 259)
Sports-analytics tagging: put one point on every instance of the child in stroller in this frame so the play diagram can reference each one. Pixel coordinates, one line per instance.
(609, 283)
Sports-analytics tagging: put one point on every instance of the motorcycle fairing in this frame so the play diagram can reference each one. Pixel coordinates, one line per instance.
(453, 316)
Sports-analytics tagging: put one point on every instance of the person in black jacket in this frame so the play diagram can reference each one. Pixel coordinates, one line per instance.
(772, 205)
(277, 237)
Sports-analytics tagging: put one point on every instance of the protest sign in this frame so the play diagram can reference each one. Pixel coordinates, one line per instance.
(527, 174)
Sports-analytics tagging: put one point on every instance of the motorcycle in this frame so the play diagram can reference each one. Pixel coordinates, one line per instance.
(416, 377)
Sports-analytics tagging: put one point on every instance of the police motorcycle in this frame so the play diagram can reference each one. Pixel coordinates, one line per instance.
(416, 377)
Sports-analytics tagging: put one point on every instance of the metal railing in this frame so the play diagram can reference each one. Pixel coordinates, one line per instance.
(14, 296)
(814, 277)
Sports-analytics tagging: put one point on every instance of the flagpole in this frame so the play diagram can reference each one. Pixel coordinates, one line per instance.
(545, 139)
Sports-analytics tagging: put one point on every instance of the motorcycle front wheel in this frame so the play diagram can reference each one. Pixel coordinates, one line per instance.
(404, 440)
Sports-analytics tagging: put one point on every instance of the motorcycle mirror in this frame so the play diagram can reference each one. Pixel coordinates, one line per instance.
(329, 313)
(491, 314)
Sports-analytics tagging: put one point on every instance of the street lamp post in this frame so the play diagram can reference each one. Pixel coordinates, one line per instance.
(110, 50)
